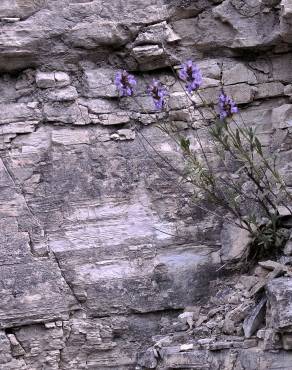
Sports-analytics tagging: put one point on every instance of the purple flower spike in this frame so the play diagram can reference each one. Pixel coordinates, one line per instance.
(158, 93)
(227, 106)
(125, 83)
(190, 73)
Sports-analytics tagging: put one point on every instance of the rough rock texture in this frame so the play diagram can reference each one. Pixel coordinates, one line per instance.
(99, 250)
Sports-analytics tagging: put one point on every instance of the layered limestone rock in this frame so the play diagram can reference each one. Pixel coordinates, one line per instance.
(101, 248)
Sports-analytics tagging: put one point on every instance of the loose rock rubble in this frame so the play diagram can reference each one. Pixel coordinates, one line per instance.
(238, 319)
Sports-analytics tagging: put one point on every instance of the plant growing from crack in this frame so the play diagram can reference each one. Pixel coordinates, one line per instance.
(249, 187)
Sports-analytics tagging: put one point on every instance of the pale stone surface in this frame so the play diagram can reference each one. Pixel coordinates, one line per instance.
(238, 73)
(65, 94)
(45, 79)
(154, 34)
(62, 79)
(269, 89)
(99, 83)
(282, 116)
(149, 57)
(234, 242)
(253, 322)
(279, 293)
(287, 341)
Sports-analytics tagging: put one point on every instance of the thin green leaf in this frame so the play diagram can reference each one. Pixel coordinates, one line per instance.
(185, 144)
(258, 146)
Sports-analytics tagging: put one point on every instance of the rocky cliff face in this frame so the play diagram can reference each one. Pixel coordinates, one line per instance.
(100, 251)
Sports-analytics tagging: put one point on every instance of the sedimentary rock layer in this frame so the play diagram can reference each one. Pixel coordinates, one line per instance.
(100, 248)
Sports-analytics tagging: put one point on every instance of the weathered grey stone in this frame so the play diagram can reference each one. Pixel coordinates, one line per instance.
(279, 295)
(6, 355)
(186, 347)
(287, 341)
(271, 339)
(220, 345)
(179, 101)
(73, 137)
(73, 113)
(255, 319)
(50, 325)
(282, 116)
(207, 96)
(61, 79)
(16, 348)
(18, 112)
(238, 74)
(236, 316)
(99, 106)
(241, 93)
(250, 343)
(280, 68)
(24, 9)
(288, 90)
(65, 94)
(263, 281)
(269, 89)
(272, 265)
(19, 128)
(45, 80)
(99, 83)
(10, 20)
(187, 318)
(173, 358)
(286, 20)
(154, 34)
(210, 68)
(100, 248)
(117, 118)
(125, 134)
(41, 289)
(234, 242)
(149, 57)
(148, 359)
(205, 341)
(89, 35)
(288, 248)
(140, 104)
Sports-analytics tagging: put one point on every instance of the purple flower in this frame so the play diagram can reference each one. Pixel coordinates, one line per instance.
(125, 83)
(190, 73)
(158, 93)
(227, 106)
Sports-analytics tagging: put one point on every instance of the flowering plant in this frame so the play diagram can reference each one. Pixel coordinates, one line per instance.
(125, 83)
(190, 73)
(227, 106)
(251, 190)
(158, 93)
